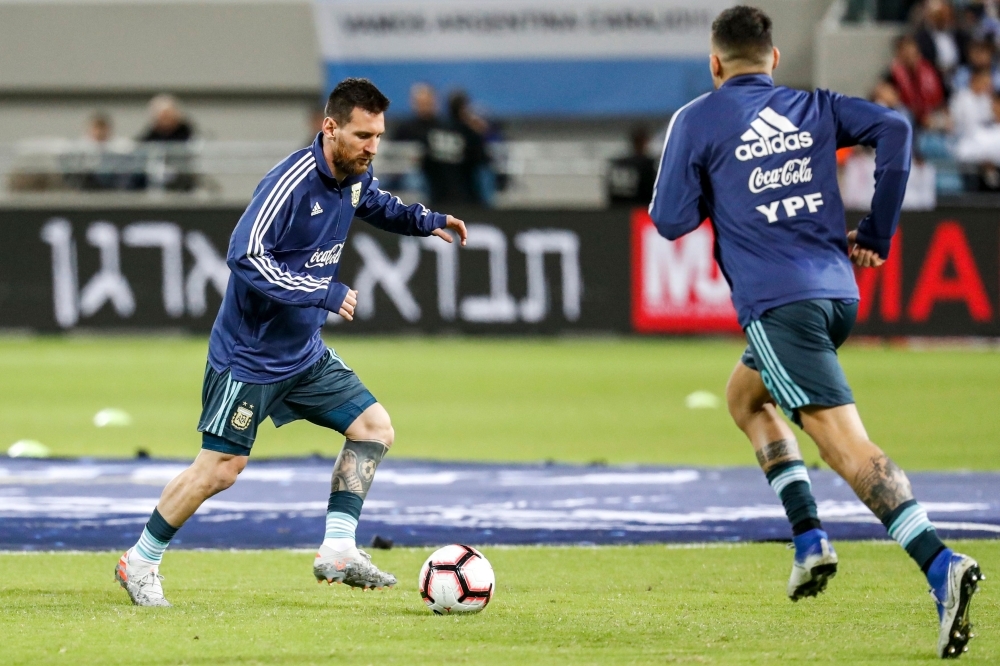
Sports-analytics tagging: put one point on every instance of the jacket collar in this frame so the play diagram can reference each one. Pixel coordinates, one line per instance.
(744, 80)
(321, 164)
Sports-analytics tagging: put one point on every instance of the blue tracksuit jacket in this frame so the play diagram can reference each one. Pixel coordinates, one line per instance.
(285, 255)
(759, 160)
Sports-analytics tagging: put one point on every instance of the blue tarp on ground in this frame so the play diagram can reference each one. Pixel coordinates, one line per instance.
(87, 504)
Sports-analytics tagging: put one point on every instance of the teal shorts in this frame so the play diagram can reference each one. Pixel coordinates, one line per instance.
(327, 394)
(794, 348)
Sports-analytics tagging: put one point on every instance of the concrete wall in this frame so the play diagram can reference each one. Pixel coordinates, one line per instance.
(794, 34)
(851, 58)
(243, 69)
(92, 46)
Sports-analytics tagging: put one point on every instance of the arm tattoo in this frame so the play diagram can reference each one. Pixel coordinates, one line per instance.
(882, 486)
(355, 467)
(780, 451)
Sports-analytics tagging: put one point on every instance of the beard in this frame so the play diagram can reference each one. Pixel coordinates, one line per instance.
(346, 161)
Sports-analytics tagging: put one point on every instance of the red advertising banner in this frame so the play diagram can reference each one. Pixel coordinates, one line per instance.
(942, 278)
(676, 285)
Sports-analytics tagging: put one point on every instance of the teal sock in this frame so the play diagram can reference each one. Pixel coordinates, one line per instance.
(790, 481)
(155, 538)
(909, 526)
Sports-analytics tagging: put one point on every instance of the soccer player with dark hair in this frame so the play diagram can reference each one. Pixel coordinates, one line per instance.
(265, 355)
(759, 161)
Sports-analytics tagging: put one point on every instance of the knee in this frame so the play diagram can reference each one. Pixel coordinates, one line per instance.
(374, 424)
(741, 407)
(224, 474)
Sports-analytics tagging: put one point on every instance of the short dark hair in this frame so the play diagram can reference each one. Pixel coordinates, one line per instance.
(743, 33)
(351, 94)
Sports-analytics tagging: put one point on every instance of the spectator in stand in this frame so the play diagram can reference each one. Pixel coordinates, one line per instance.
(434, 172)
(980, 56)
(477, 175)
(104, 161)
(170, 166)
(630, 179)
(979, 147)
(940, 42)
(167, 123)
(972, 107)
(980, 22)
(917, 81)
(423, 103)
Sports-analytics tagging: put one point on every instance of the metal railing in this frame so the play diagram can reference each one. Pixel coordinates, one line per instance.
(547, 173)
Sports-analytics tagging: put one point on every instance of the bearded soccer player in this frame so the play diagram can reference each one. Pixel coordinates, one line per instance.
(759, 161)
(266, 357)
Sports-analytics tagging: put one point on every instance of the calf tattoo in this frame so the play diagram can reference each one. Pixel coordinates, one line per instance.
(780, 451)
(882, 486)
(355, 466)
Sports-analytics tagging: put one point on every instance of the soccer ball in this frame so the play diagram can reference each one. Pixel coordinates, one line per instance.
(456, 579)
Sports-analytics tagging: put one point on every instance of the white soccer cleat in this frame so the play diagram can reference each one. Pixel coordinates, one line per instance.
(351, 567)
(141, 581)
(814, 565)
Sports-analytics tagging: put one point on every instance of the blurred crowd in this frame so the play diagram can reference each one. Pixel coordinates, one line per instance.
(456, 149)
(101, 161)
(945, 79)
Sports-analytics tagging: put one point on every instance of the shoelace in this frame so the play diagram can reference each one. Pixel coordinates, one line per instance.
(147, 584)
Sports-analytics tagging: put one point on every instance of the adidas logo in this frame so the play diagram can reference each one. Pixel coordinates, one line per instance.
(316, 209)
(771, 133)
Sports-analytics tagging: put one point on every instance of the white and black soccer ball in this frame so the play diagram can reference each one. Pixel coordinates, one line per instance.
(456, 579)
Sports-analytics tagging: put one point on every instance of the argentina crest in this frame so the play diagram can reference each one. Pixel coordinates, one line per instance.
(355, 194)
(242, 416)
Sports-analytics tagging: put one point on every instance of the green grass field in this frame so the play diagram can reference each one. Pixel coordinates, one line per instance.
(619, 400)
(571, 400)
(641, 605)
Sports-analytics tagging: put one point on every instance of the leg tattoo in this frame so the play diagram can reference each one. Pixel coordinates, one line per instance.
(356, 465)
(352, 478)
(883, 486)
(780, 451)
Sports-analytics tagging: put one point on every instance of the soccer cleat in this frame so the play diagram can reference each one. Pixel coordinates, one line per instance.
(352, 567)
(815, 564)
(954, 578)
(141, 582)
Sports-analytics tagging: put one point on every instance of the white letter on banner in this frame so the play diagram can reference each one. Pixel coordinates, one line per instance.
(108, 284)
(394, 277)
(499, 306)
(447, 275)
(209, 266)
(535, 244)
(167, 237)
(58, 233)
(674, 269)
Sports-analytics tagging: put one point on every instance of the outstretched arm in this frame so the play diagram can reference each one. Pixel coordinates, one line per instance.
(863, 123)
(385, 211)
(678, 207)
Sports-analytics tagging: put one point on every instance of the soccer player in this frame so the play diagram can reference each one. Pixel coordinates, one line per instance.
(759, 161)
(265, 354)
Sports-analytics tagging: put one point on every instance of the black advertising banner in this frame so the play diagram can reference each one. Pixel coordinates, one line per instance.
(523, 272)
(160, 269)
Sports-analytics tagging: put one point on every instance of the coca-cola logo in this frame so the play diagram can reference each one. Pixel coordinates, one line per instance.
(792, 173)
(320, 258)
